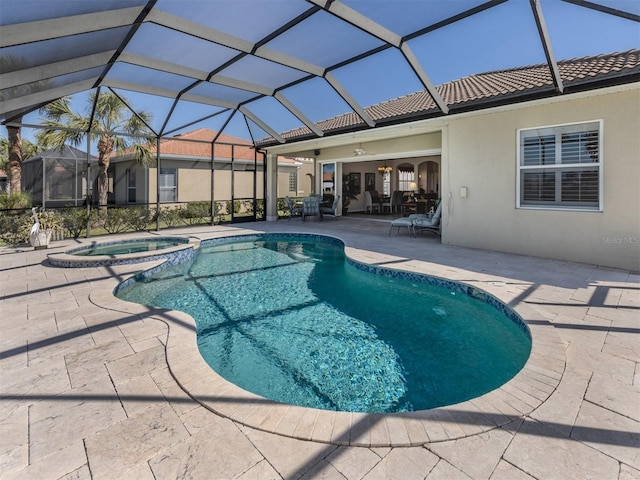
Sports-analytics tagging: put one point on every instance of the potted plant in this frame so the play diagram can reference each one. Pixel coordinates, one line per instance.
(40, 226)
(350, 191)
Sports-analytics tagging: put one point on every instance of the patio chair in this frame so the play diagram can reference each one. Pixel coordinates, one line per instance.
(293, 210)
(311, 207)
(429, 223)
(331, 210)
(369, 206)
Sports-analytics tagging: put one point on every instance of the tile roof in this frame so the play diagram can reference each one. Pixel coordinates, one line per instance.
(178, 146)
(487, 88)
(196, 147)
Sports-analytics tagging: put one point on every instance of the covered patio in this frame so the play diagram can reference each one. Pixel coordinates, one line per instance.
(88, 391)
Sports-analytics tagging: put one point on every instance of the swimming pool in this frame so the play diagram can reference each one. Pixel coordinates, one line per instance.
(288, 317)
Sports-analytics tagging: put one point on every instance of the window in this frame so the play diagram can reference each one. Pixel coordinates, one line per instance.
(406, 176)
(131, 186)
(168, 185)
(560, 166)
(386, 184)
(293, 182)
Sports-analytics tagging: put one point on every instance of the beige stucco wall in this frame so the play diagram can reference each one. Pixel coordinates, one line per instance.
(194, 181)
(481, 155)
(305, 180)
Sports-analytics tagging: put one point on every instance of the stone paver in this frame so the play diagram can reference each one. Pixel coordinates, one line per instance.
(91, 389)
(464, 453)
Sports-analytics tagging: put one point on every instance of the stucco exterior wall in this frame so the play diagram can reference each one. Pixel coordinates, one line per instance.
(481, 155)
(305, 180)
(194, 181)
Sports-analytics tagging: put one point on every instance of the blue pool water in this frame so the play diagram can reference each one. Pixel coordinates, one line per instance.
(128, 246)
(290, 319)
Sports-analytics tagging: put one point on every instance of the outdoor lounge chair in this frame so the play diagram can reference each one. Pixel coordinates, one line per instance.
(293, 210)
(311, 207)
(331, 210)
(418, 222)
(430, 223)
(400, 223)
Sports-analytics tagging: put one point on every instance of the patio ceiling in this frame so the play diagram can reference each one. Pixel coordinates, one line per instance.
(279, 65)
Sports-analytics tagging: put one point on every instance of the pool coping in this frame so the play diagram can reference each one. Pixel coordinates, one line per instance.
(517, 398)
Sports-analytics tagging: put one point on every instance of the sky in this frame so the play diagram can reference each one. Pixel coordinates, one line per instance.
(502, 37)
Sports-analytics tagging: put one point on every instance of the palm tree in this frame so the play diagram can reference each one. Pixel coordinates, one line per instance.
(15, 146)
(15, 158)
(62, 125)
(26, 149)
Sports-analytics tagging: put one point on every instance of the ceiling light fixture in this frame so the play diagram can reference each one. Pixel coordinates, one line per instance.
(384, 169)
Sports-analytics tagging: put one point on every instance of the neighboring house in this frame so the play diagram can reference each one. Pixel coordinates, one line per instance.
(533, 172)
(185, 171)
(58, 177)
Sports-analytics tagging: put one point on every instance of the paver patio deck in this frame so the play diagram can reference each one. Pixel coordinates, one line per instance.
(95, 388)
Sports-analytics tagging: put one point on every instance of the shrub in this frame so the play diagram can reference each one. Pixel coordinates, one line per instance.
(259, 209)
(12, 227)
(219, 207)
(172, 217)
(139, 218)
(49, 219)
(196, 212)
(114, 220)
(15, 201)
(74, 220)
(118, 220)
(283, 209)
(236, 204)
(247, 205)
